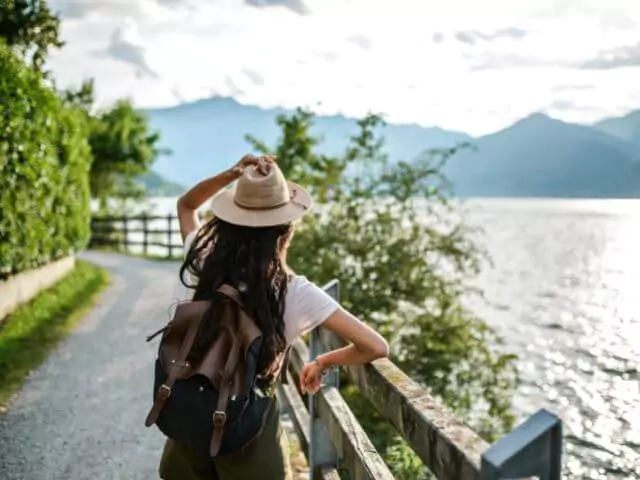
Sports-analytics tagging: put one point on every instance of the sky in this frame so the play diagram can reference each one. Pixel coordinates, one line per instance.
(469, 65)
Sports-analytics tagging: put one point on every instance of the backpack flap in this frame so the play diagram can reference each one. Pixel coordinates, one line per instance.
(175, 346)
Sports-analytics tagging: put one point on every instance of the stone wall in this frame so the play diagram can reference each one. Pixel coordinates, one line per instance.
(24, 286)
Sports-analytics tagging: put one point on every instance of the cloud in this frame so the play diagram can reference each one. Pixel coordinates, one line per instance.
(624, 56)
(361, 41)
(560, 104)
(233, 90)
(297, 6)
(254, 76)
(126, 47)
(437, 37)
(472, 37)
(75, 9)
(492, 61)
(475, 72)
(83, 9)
(571, 88)
(511, 32)
(326, 56)
(466, 37)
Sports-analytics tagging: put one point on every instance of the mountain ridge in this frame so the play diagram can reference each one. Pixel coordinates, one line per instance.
(537, 156)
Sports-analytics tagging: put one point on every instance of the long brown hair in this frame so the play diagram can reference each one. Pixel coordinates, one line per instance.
(253, 260)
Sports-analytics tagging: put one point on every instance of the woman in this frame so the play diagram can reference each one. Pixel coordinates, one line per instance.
(245, 245)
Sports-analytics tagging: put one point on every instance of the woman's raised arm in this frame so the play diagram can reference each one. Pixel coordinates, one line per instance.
(192, 200)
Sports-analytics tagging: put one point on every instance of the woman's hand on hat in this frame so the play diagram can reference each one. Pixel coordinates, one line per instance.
(249, 160)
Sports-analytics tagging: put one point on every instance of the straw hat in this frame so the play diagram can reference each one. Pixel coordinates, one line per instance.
(261, 198)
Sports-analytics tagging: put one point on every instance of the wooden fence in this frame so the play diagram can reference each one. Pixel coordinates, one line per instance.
(329, 433)
(143, 234)
(334, 441)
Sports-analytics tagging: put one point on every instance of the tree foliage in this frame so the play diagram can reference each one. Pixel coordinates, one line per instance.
(122, 145)
(30, 27)
(44, 167)
(387, 231)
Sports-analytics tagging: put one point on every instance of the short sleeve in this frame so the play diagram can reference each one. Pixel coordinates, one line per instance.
(306, 307)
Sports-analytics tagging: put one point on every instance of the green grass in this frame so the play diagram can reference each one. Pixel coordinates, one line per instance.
(32, 331)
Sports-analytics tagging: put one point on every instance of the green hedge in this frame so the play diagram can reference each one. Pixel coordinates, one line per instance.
(44, 166)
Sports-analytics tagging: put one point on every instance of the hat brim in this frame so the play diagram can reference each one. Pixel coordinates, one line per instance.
(225, 208)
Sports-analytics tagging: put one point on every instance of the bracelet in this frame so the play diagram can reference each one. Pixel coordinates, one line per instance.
(316, 362)
(236, 171)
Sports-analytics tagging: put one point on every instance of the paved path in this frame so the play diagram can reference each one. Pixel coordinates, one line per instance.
(80, 415)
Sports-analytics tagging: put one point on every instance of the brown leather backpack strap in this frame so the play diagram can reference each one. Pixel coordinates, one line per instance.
(231, 292)
(220, 414)
(174, 369)
(285, 366)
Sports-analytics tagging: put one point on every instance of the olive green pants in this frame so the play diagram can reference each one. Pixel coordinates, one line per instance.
(266, 458)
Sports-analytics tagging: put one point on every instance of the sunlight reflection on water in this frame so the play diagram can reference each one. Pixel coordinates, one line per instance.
(565, 289)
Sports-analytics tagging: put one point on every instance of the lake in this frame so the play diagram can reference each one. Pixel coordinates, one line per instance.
(564, 292)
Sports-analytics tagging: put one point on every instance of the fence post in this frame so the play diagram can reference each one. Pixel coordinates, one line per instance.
(169, 226)
(93, 225)
(125, 233)
(534, 448)
(322, 453)
(145, 233)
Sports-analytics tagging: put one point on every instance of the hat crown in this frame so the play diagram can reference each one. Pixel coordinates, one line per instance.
(262, 186)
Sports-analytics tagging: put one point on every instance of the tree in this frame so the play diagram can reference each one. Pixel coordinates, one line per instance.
(30, 27)
(385, 229)
(122, 145)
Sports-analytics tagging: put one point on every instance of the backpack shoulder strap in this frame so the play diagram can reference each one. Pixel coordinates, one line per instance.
(231, 292)
(285, 366)
(220, 414)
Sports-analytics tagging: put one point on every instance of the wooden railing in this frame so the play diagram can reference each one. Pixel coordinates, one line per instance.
(333, 440)
(144, 234)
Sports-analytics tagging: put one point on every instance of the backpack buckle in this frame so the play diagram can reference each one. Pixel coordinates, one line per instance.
(164, 391)
(219, 418)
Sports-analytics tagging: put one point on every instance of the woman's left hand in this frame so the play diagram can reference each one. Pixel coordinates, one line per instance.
(310, 378)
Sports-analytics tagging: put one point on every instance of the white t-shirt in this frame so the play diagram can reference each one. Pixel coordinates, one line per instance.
(306, 306)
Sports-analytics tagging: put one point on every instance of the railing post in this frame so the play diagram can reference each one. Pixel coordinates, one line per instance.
(125, 233)
(93, 238)
(322, 453)
(169, 226)
(533, 449)
(145, 233)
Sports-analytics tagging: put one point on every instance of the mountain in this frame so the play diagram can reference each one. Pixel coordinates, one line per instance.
(626, 128)
(209, 135)
(157, 186)
(536, 157)
(542, 157)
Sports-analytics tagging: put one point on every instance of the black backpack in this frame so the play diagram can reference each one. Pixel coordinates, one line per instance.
(218, 405)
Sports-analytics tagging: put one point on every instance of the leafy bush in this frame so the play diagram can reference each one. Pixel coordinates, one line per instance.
(44, 171)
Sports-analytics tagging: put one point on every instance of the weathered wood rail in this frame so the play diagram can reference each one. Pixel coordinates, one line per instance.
(329, 433)
(333, 440)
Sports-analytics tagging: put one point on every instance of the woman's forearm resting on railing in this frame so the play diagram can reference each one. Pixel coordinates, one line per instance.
(349, 355)
(365, 346)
